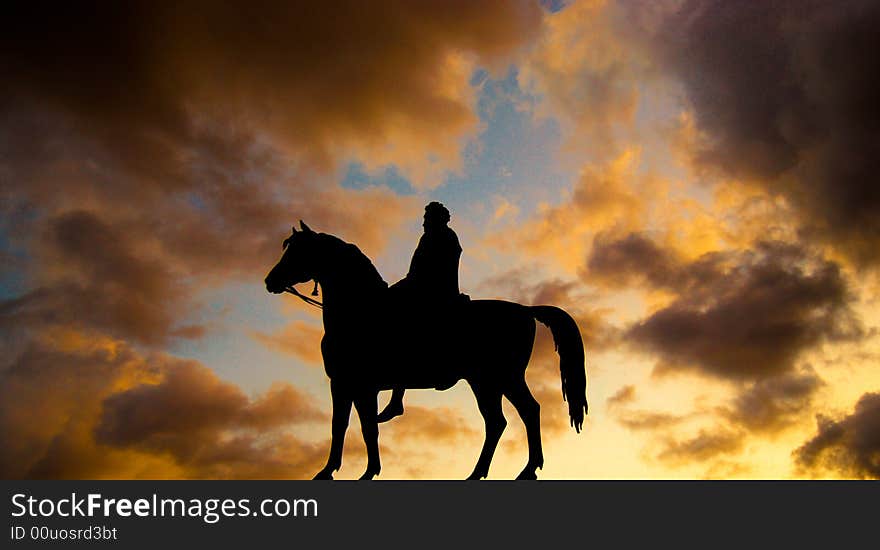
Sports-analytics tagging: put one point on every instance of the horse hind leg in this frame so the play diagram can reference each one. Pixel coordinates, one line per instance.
(530, 411)
(489, 402)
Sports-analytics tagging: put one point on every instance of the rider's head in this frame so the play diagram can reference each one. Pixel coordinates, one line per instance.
(436, 216)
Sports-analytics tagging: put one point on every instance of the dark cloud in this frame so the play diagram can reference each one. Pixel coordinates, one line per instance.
(193, 401)
(774, 404)
(79, 405)
(175, 145)
(706, 446)
(638, 260)
(766, 407)
(84, 406)
(741, 316)
(317, 77)
(98, 279)
(737, 315)
(209, 426)
(846, 447)
(118, 255)
(785, 95)
(625, 261)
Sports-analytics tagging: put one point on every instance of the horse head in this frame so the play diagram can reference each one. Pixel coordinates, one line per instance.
(298, 263)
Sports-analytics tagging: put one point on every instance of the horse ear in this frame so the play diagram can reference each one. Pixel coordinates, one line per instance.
(293, 230)
(305, 227)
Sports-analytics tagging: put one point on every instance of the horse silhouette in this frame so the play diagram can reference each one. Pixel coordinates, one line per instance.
(372, 342)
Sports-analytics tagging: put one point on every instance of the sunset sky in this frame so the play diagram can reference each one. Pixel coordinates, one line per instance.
(694, 181)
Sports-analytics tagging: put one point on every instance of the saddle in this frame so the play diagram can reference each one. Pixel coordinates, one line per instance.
(429, 327)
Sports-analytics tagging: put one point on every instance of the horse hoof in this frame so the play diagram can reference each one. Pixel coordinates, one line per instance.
(528, 474)
(476, 476)
(369, 475)
(324, 474)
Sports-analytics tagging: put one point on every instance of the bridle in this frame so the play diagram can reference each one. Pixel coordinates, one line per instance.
(295, 292)
(304, 298)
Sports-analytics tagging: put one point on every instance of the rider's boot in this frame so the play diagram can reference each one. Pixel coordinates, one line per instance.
(394, 407)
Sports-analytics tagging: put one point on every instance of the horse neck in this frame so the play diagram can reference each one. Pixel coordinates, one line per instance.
(347, 306)
(349, 294)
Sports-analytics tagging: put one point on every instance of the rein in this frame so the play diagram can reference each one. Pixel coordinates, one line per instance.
(304, 298)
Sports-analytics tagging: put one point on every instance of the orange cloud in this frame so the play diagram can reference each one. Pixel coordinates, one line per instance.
(84, 406)
(610, 197)
(588, 73)
(299, 338)
(437, 425)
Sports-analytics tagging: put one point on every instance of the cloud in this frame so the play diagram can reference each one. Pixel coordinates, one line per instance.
(705, 446)
(516, 285)
(623, 396)
(847, 447)
(150, 152)
(784, 97)
(803, 139)
(605, 197)
(80, 405)
(299, 338)
(119, 257)
(637, 420)
(96, 278)
(85, 406)
(634, 260)
(208, 426)
(390, 81)
(587, 72)
(762, 409)
(437, 425)
(739, 315)
(648, 420)
(774, 404)
(192, 400)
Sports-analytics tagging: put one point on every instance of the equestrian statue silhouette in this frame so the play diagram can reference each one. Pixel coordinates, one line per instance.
(421, 333)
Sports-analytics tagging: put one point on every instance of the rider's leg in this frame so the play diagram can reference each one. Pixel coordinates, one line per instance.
(394, 407)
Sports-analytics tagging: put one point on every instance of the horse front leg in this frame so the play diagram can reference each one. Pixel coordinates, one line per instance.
(341, 413)
(489, 401)
(365, 404)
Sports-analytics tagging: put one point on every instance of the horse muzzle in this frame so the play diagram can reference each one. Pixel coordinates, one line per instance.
(273, 286)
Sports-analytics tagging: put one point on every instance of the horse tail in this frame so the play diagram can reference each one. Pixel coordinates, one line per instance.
(570, 347)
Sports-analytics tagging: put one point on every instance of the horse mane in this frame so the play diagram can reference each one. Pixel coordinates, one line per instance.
(355, 262)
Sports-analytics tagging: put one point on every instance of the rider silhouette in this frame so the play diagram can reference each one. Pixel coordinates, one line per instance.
(432, 281)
